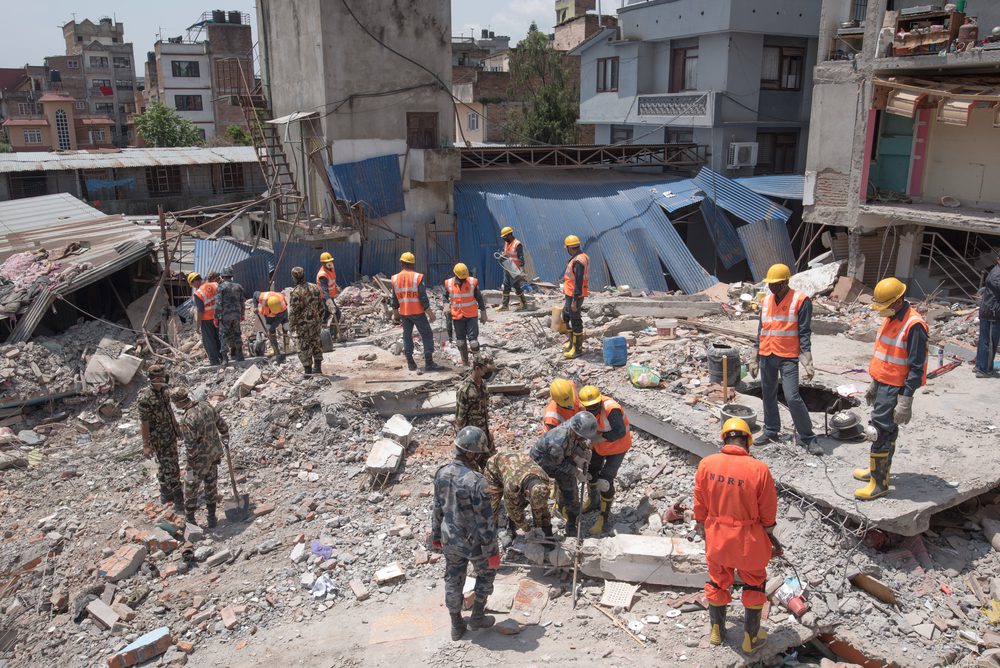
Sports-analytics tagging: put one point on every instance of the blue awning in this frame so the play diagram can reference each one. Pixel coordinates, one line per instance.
(377, 183)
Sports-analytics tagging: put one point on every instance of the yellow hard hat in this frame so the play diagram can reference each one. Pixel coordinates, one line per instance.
(571, 240)
(274, 302)
(193, 276)
(325, 257)
(740, 425)
(461, 271)
(408, 258)
(887, 291)
(778, 273)
(507, 230)
(562, 391)
(590, 395)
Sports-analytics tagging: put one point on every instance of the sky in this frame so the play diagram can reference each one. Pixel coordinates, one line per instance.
(38, 31)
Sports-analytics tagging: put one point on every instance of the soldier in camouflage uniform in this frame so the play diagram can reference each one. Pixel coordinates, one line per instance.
(204, 430)
(472, 401)
(518, 481)
(159, 435)
(307, 312)
(564, 454)
(463, 529)
(230, 303)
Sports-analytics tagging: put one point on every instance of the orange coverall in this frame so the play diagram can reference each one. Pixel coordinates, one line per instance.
(734, 496)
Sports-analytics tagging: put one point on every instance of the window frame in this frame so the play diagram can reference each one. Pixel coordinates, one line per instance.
(97, 83)
(121, 61)
(232, 178)
(178, 72)
(72, 64)
(188, 97)
(787, 55)
(163, 181)
(110, 108)
(34, 132)
(97, 136)
(102, 62)
(472, 122)
(608, 74)
(681, 60)
(27, 109)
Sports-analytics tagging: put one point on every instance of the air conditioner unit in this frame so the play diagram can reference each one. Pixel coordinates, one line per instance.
(742, 154)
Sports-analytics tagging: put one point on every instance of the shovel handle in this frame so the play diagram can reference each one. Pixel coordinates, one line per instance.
(232, 476)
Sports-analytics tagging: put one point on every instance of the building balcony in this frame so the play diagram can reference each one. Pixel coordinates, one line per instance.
(101, 91)
(692, 106)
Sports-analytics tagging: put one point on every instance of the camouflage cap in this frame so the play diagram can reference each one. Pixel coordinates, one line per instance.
(156, 371)
(298, 273)
(538, 493)
(179, 395)
(483, 360)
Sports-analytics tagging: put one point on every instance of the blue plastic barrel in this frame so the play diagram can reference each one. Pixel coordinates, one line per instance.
(615, 351)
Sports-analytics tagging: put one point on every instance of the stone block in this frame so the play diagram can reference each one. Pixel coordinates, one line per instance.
(393, 571)
(359, 589)
(228, 616)
(158, 539)
(219, 558)
(384, 457)
(398, 429)
(299, 553)
(193, 533)
(662, 560)
(248, 380)
(263, 509)
(102, 613)
(145, 647)
(123, 564)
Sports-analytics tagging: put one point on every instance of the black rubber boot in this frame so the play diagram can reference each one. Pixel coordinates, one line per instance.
(458, 627)
(212, 520)
(717, 623)
(189, 517)
(753, 637)
(479, 618)
(318, 366)
(464, 352)
(571, 526)
(524, 303)
(411, 363)
(431, 365)
(547, 530)
(178, 500)
(307, 370)
(505, 302)
(165, 494)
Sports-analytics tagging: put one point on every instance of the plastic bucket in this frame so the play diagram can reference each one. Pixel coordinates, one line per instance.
(667, 328)
(717, 351)
(615, 351)
(557, 323)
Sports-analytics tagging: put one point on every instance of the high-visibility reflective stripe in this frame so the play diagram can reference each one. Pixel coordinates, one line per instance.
(889, 358)
(405, 286)
(772, 332)
(554, 416)
(331, 279)
(510, 250)
(462, 297)
(206, 293)
(779, 328)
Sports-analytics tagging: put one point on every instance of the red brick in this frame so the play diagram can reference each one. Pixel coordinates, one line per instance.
(168, 571)
(190, 613)
(228, 617)
(123, 563)
(59, 601)
(185, 646)
(263, 509)
(146, 647)
(404, 493)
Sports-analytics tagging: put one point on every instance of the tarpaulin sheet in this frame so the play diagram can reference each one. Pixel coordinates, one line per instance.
(720, 228)
(739, 200)
(377, 183)
(766, 243)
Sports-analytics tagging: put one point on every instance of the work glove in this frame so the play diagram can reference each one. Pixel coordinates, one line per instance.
(494, 562)
(482, 317)
(582, 476)
(436, 544)
(431, 317)
(904, 410)
(395, 315)
(753, 366)
(699, 529)
(808, 371)
(870, 394)
(776, 547)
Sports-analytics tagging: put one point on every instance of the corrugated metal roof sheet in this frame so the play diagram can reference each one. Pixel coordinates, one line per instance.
(375, 182)
(766, 243)
(126, 157)
(32, 213)
(621, 226)
(739, 200)
(345, 260)
(720, 228)
(381, 256)
(783, 186)
(253, 273)
(680, 194)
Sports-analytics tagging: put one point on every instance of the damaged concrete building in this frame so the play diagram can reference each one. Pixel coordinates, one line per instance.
(902, 170)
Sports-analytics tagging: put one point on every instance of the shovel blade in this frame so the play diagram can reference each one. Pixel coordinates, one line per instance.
(238, 509)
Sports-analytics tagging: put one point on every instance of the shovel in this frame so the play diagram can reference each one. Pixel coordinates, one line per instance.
(238, 509)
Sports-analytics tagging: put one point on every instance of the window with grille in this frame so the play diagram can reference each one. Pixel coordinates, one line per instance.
(32, 136)
(62, 130)
(123, 83)
(104, 107)
(80, 105)
(607, 75)
(163, 180)
(99, 61)
(185, 68)
(100, 83)
(473, 120)
(97, 136)
(188, 102)
(781, 68)
(232, 178)
(860, 9)
(621, 134)
(73, 64)
(122, 61)
(26, 108)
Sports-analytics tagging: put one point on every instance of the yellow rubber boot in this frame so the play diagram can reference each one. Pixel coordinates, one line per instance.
(862, 474)
(878, 482)
(603, 520)
(717, 619)
(569, 341)
(593, 499)
(753, 637)
(576, 349)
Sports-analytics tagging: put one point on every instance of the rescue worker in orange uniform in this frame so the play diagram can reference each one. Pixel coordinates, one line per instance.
(898, 369)
(735, 506)
(563, 404)
(203, 294)
(273, 308)
(784, 339)
(411, 306)
(513, 249)
(468, 309)
(575, 289)
(326, 281)
(614, 438)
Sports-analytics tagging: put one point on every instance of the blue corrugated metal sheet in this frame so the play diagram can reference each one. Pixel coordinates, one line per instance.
(252, 273)
(622, 228)
(217, 254)
(680, 194)
(766, 243)
(720, 228)
(345, 261)
(376, 182)
(783, 186)
(739, 200)
(381, 256)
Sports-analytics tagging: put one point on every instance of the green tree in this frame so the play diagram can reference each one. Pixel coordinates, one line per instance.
(5, 147)
(238, 136)
(160, 126)
(549, 93)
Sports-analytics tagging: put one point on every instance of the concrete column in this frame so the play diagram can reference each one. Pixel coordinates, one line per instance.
(855, 260)
(908, 240)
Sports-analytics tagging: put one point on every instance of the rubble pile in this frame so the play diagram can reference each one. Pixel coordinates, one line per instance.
(25, 275)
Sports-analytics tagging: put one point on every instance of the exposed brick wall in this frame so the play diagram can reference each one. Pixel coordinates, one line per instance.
(571, 33)
(832, 188)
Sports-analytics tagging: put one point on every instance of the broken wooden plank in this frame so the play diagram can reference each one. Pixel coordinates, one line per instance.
(714, 329)
(509, 388)
(874, 587)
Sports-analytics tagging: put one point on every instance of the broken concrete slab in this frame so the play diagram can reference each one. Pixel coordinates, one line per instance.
(384, 457)
(102, 369)
(691, 307)
(248, 380)
(819, 280)
(661, 560)
(398, 429)
(102, 614)
(389, 573)
(414, 404)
